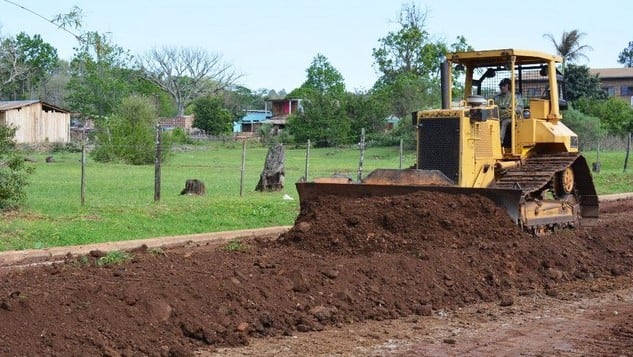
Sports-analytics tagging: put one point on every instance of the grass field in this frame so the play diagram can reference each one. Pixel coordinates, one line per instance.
(119, 199)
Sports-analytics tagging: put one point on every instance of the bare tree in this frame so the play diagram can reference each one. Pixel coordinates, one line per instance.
(187, 73)
(12, 65)
(11, 68)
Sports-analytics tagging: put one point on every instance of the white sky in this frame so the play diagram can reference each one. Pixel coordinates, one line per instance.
(273, 42)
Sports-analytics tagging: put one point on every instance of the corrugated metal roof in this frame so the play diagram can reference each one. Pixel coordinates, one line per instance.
(254, 117)
(612, 72)
(13, 104)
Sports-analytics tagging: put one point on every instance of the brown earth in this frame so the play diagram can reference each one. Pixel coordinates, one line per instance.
(402, 275)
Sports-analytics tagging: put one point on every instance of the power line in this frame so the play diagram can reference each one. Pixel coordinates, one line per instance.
(44, 18)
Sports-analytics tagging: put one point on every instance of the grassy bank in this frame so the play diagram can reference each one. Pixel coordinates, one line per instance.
(119, 199)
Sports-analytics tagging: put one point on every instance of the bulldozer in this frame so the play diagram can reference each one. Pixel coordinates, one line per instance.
(534, 170)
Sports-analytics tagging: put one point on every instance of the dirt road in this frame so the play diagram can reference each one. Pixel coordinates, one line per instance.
(403, 275)
(579, 323)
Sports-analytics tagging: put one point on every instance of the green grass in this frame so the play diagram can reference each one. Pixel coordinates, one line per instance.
(114, 258)
(119, 199)
(235, 245)
(612, 178)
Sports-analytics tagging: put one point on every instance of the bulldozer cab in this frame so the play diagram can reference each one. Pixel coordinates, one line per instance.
(473, 78)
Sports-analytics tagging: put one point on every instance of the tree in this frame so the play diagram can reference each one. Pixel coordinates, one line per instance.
(324, 120)
(579, 83)
(626, 56)
(11, 68)
(128, 136)
(54, 89)
(411, 49)
(368, 111)
(588, 128)
(239, 99)
(99, 78)
(39, 60)
(163, 102)
(98, 82)
(187, 73)
(408, 93)
(616, 115)
(211, 116)
(323, 78)
(570, 46)
(13, 171)
(409, 62)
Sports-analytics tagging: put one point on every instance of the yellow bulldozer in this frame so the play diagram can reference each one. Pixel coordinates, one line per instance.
(534, 170)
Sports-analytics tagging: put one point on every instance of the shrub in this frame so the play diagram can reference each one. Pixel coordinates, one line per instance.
(178, 136)
(587, 127)
(14, 171)
(129, 136)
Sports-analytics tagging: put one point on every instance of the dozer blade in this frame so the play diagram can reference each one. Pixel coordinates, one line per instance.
(508, 199)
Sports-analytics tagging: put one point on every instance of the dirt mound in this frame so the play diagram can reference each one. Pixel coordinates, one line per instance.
(412, 224)
(344, 261)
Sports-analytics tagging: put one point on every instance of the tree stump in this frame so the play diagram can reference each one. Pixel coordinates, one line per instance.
(193, 187)
(272, 178)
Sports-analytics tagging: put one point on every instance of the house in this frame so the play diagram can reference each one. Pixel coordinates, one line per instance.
(392, 122)
(275, 114)
(617, 82)
(281, 109)
(36, 121)
(184, 122)
(252, 120)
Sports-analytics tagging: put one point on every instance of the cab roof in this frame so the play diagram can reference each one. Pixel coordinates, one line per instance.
(501, 57)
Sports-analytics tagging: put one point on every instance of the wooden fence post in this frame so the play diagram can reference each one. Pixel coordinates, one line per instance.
(401, 152)
(243, 166)
(305, 174)
(362, 154)
(157, 166)
(628, 150)
(83, 172)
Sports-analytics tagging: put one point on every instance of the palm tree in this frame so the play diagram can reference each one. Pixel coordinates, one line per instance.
(569, 46)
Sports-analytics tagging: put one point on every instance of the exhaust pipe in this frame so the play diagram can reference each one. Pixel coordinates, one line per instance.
(444, 73)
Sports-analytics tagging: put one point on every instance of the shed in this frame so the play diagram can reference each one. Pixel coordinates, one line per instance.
(36, 121)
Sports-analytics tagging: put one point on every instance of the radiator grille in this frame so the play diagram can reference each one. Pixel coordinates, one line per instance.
(483, 144)
(439, 146)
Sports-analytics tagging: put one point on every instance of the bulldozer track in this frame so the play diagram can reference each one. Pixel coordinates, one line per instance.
(536, 172)
(543, 184)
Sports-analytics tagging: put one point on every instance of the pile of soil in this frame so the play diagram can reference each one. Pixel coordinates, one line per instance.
(345, 260)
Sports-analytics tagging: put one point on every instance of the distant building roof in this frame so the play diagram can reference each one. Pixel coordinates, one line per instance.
(392, 119)
(14, 104)
(256, 116)
(284, 100)
(280, 120)
(612, 72)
